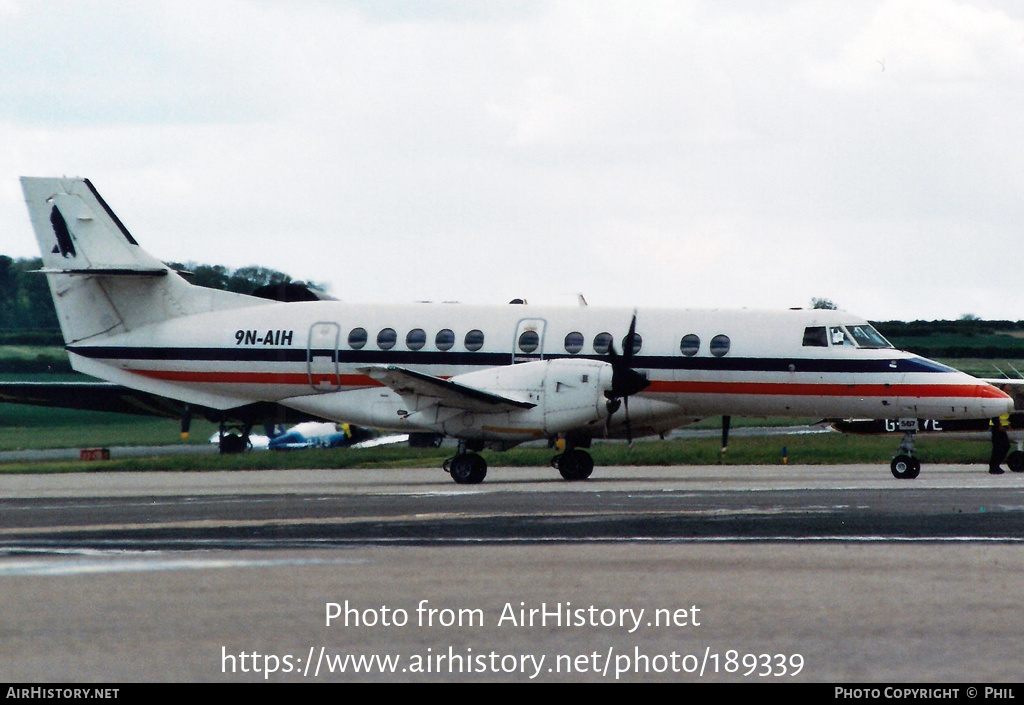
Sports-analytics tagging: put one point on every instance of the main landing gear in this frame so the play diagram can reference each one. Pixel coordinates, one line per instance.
(573, 464)
(467, 468)
(234, 438)
(905, 466)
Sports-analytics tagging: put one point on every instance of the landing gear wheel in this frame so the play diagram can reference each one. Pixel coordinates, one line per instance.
(233, 443)
(575, 464)
(1015, 461)
(467, 469)
(905, 467)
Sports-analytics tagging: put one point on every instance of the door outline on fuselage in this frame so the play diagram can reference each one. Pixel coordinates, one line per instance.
(323, 369)
(539, 326)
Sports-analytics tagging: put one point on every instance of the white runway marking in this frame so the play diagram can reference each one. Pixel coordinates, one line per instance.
(93, 562)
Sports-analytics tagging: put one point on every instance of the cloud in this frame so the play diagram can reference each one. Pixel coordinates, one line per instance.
(666, 153)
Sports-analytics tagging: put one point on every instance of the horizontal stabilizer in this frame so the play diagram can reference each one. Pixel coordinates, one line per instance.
(409, 382)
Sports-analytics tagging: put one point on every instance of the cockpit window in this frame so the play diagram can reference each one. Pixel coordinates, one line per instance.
(862, 336)
(866, 336)
(815, 337)
(839, 336)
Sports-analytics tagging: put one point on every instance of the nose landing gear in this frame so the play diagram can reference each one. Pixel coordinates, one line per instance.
(905, 466)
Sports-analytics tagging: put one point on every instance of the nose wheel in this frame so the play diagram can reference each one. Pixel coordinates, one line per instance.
(905, 466)
(1015, 461)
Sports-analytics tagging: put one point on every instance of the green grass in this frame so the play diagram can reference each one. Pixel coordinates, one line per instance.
(24, 427)
(818, 449)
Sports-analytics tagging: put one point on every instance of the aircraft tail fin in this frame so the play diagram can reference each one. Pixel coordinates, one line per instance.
(103, 283)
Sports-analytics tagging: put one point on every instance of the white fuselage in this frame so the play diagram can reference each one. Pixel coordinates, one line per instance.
(315, 357)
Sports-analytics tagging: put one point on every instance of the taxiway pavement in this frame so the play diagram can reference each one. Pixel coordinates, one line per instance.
(837, 573)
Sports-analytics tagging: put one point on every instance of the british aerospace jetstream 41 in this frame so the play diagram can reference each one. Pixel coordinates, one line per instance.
(489, 376)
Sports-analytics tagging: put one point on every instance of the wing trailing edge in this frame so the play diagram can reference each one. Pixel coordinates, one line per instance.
(406, 382)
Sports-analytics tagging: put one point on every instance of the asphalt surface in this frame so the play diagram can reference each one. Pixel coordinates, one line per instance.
(752, 574)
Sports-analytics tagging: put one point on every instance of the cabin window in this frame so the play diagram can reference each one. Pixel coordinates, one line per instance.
(387, 338)
(573, 342)
(444, 340)
(416, 339)
(815, 337)
(720, 345)
(474, 340)
(357, 338)
(602, 341)
(689, 345)
(529, 341)
(638, 343)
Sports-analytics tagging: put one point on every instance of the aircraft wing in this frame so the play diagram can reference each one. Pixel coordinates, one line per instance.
(448, 392)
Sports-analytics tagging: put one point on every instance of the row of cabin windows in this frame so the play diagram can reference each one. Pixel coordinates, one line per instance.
(415, 339)
(529, 341)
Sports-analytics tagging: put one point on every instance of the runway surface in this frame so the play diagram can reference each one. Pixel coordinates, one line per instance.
(718, 573)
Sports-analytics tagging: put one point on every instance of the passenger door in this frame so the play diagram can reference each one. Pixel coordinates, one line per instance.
(322, 356)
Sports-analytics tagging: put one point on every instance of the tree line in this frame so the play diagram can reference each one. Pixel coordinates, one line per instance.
(27, 315)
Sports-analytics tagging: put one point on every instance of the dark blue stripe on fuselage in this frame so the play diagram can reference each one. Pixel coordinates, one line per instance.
(497, 359)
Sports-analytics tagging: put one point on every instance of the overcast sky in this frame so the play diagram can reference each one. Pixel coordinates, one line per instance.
(711, 154)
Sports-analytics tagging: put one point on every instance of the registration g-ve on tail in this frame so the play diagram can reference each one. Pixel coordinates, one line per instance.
(489, 376)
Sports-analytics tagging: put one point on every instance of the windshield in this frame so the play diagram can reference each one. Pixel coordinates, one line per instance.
(866, 336)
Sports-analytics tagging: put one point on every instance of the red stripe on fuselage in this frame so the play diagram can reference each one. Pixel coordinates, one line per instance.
(971, 391)
(833, 390)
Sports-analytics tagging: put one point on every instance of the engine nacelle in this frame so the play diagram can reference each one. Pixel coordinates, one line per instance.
(568, 394)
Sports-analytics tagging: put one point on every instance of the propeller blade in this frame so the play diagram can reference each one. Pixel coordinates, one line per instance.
(625, 380)
(627, 343)
(629, 429)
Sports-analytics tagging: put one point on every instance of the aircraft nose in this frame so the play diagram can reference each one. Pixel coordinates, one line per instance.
(993, 402)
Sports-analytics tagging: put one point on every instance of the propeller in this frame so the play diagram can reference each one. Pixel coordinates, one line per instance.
(625, 380)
